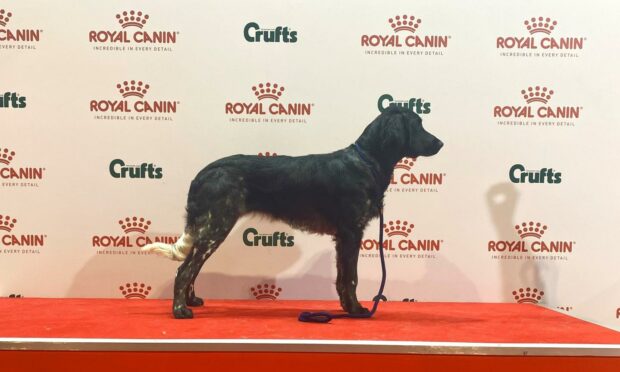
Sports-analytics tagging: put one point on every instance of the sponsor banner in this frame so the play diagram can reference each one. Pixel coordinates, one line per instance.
(17, 241)
(528, 295)
(267, 154)
(266, 291)
(420, 106)
(537, 110)
(400, 244)
(406, 38)
(15, 176)
(12, 100)
(119, 169)
(407, 178)
(531, 246)
(539, 38)
(280, 82)
(254, 33)
(519, 174)
(272, 106)
(17, 33)
(566, 309)
(135, 290)
(253, 238)
(385, 299)
(133, 237)
(132, 31)
(132, 104)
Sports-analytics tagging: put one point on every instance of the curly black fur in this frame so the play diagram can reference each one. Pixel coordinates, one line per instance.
(336, 194)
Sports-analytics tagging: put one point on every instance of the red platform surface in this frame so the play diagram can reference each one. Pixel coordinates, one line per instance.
(104, 335)
(394, 321)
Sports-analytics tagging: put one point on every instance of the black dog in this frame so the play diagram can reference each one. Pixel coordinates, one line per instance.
(335, 194)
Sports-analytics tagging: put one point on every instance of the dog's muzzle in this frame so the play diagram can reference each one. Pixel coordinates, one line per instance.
(435, 146)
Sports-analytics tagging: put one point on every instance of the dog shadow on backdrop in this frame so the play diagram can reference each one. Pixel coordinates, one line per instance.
(502, 200)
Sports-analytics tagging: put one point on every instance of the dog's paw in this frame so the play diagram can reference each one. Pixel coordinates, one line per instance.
(359, 309)
(354, 308)
(195, 301)
(182, 313)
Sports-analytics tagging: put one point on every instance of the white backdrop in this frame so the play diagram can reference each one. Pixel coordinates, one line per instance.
(64, 189)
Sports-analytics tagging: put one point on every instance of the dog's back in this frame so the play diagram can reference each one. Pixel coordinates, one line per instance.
(303, 191)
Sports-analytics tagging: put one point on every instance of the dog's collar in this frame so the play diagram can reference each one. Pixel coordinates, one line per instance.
(370, 165)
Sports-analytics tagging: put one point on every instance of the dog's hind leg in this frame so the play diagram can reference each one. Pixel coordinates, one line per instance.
(192, 299)
(347, 252)
(208, 238)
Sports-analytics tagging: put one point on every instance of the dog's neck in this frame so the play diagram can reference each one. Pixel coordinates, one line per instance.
(383, 162)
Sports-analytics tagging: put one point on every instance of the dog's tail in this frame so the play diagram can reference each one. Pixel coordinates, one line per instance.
(177, 251)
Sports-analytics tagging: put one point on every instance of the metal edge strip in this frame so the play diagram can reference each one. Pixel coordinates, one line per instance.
(310, 346)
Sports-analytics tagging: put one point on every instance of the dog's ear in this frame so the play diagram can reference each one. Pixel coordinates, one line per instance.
(395, 133)
(414, 124)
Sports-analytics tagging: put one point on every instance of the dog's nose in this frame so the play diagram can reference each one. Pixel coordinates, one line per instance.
(439, 143)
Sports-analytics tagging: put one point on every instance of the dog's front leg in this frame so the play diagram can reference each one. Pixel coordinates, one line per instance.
(347, 252)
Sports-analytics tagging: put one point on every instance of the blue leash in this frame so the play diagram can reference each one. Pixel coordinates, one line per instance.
(324, 316)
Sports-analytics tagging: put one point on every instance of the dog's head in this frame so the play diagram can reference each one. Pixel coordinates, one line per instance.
(399, 131)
